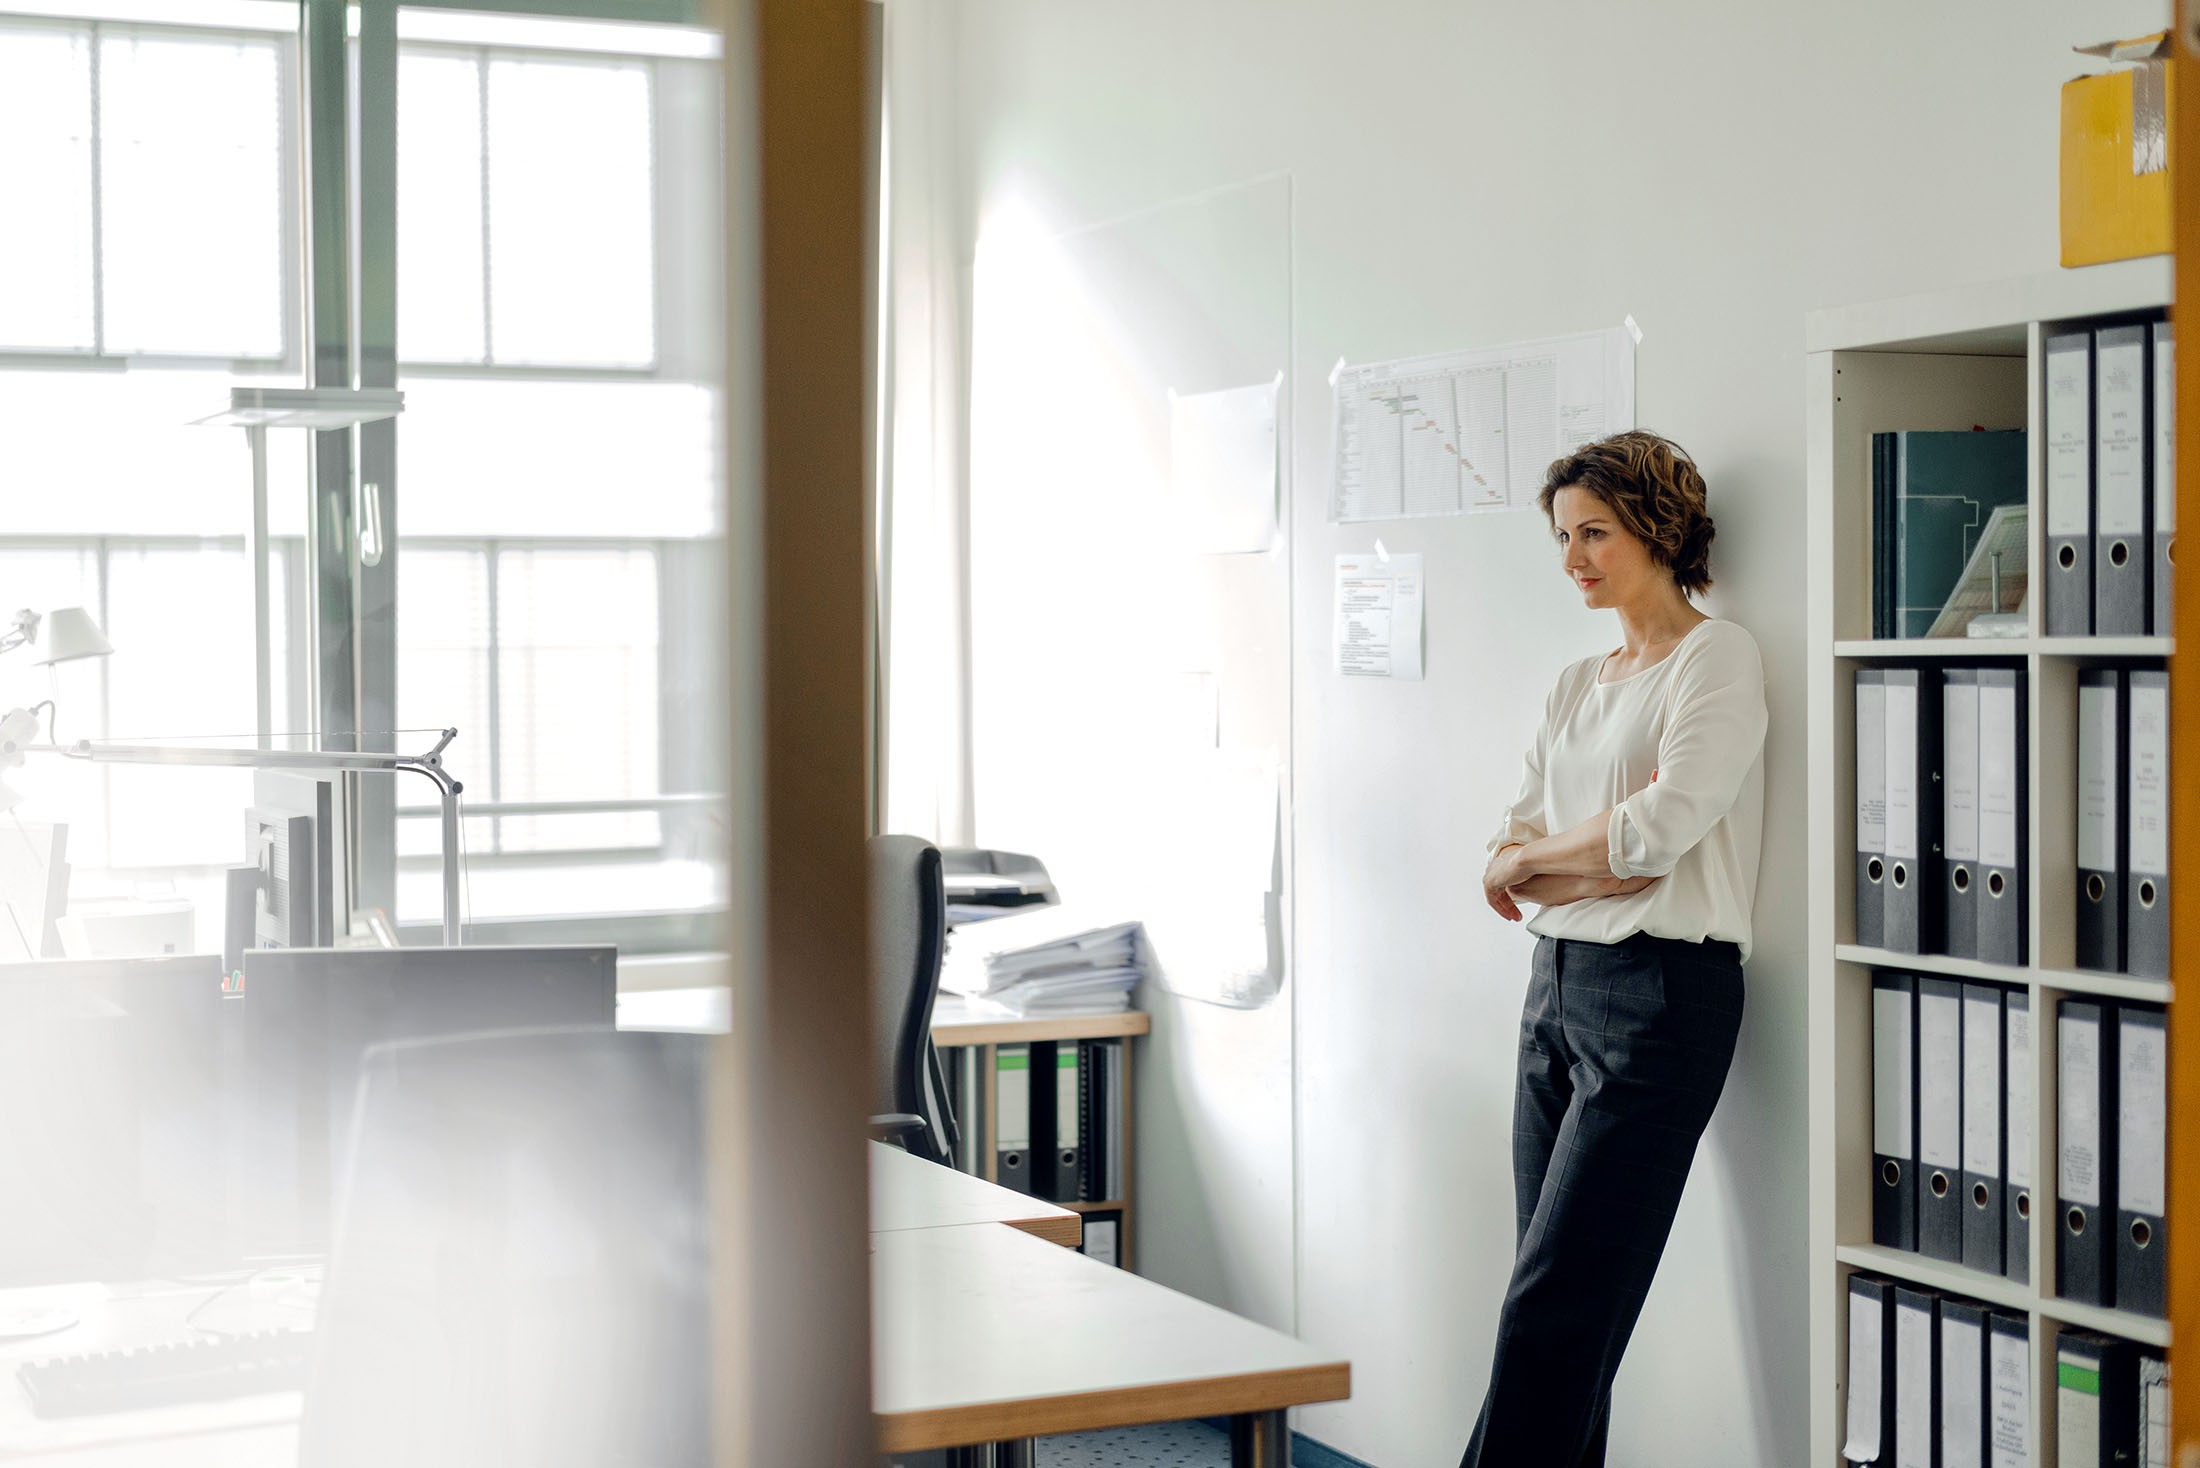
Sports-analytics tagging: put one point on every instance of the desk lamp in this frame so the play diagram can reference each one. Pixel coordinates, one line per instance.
(69, 634)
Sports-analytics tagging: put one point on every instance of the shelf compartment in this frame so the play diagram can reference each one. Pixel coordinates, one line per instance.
(2147, 1330)
(1935, 1274)
(2108, 986)
(2015, 975)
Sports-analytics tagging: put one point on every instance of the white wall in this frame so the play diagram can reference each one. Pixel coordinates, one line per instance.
(1468, 174)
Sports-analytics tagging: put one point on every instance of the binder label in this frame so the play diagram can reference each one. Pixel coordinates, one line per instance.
(2068, 433)
(2011, 1367)
(2121, 438)
(1960, 1407)
(1866, 1344)
(2165, 430)
(1902, 790)
(2149, 778)
(1940, 1080)
(1871, 767)
(1891, 1073)
(2142, 1098)
(2080, 1111)
(2019, 1015)
(1960, 732)
(1913, 1384)
(1998, 776)
(1982, 1083)
(2096, 777)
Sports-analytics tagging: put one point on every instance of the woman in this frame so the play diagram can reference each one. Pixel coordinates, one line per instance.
(1636, 834)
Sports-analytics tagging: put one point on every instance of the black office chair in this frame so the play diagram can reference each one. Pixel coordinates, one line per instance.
(908, 941)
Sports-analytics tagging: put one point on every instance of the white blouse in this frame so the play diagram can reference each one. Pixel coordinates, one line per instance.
(1676, 754)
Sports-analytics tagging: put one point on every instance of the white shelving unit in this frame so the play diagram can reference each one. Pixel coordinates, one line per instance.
(1953, 360)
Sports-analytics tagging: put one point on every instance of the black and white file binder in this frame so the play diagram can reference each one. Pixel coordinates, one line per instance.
(1916, 1375)
(1868, 1432)
(2123, 497)
(2142, 1109)
(1940, 1203)
(2164, 473)
(2085, 1173)
(1963, 1383)
(1894, 1110)
(2101, 819)
(2009, 1390)
(1983, 1097)
(2002, 810)
(1913, 812)
(2070, 485)
(1871, 807)
(2097, 1401)
(2016, 1233)
(2146, 846)
(1068, 1103)
(1959, 694)
(1012, 1117)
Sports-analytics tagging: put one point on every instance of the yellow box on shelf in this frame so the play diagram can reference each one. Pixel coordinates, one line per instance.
(2115, 154)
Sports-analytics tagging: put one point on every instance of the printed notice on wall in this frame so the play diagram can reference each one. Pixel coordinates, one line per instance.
(1472, 431)
(1378, 624)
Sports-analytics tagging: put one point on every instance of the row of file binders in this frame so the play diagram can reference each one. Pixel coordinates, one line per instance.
(1058, 1119)
(2123, 821)
(1938, 1380)
(1952, 1109)
(1941, 811)
(1933, 1379)
(1952, 1145)
(2111, 489)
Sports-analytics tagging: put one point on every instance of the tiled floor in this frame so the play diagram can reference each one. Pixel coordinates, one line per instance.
(1167, 1445)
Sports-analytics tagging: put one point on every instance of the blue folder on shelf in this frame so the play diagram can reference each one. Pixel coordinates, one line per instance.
(1932, 494)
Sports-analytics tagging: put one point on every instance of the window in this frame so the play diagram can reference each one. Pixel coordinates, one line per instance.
(524, 209)
(557, 475)
(153, 160)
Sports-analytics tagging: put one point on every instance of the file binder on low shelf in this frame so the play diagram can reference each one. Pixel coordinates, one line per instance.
(2014, 710)
(1076, 1128)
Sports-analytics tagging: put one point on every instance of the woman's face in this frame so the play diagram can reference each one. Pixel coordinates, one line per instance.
(1606, 562)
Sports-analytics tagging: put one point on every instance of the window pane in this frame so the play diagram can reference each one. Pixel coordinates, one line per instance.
(191, 193)
(46, 181)
(570, 263)
(85, 453)
(180, 618)
(439, 259)
(608, 460)
(443, 675)
(577, 634)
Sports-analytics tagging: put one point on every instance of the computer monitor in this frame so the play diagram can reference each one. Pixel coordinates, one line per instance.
(289, 890)
(112, 1119)
(308, 1016)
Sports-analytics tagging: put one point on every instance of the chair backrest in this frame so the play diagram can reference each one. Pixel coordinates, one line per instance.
(520, 1273)
(908, 940)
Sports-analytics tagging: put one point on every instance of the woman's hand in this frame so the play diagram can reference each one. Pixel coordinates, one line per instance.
(1504, 872)
(1551, 889)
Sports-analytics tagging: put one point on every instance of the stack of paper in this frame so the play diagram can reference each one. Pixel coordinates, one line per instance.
(1047, 960)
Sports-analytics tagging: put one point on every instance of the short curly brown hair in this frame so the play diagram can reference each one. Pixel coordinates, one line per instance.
(1652, 485)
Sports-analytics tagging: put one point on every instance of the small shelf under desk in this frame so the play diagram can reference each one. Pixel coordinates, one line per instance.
(968, 1047)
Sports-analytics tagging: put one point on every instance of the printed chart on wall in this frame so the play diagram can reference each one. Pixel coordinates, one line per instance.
(1472, 431)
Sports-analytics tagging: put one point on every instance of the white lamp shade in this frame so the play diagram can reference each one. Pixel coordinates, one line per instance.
(68, 633)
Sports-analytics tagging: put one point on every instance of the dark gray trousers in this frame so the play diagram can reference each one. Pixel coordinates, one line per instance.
(1623, 1050)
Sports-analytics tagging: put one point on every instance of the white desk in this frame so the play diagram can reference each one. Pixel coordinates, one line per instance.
(982, 1334)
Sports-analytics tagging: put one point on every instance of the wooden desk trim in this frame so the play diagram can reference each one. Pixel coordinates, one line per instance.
(1175, 1401)
(1022, 1031)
